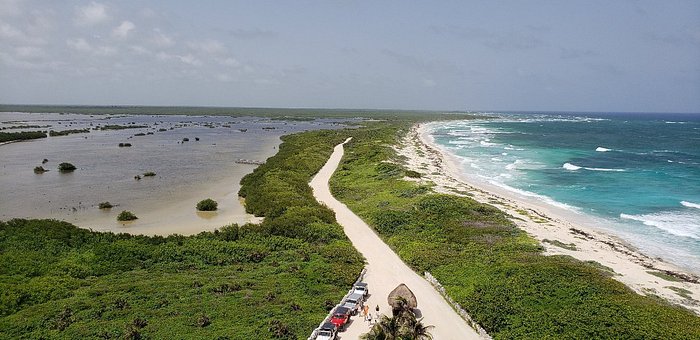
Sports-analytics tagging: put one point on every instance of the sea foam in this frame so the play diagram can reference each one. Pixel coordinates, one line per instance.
(690, 204)
(570, 167)
(602, 149)
(673, 222)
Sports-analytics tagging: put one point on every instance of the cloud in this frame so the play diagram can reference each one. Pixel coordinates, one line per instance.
(29, 52)
(122, 31)
(10, 8)
(422, 65)
(576, 53)
(188, 59)
(161, 39)
(81, 45)
(521, 39)
(92, 14)
(208, 46)
(254, 33)
(229, 62)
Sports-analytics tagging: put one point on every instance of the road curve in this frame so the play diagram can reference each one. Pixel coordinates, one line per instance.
(385, 270)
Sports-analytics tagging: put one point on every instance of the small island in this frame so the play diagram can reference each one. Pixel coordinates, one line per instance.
(207, 205)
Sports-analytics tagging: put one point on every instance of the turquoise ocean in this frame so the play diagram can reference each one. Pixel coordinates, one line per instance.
(636, 174)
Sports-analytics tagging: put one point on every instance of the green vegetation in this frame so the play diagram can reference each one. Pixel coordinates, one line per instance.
(15, 136)
(126, 215)
(39, 170)
(207, 205)
(560, 244)
(66, 167)
(682, 292)
(53, 133)
(105, 205)
(124, 145)
(402, 325)
(276, 279)
(149, 174)
(491, 268)
(664, 276)
(17, 127)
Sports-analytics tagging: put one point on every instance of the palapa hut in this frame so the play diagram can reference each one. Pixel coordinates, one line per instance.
(402, 291)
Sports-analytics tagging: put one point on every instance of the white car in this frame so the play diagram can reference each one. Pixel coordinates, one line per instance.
(327, 332)
(361, 288)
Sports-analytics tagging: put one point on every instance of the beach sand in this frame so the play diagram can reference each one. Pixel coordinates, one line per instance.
(565, 232)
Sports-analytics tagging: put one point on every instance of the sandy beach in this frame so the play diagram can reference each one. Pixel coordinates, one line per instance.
(560, 231)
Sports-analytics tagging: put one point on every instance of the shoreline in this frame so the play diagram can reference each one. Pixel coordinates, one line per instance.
(559, 231)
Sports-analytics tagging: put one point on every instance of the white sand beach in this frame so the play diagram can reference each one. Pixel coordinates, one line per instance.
(385, 270)
(567, 233)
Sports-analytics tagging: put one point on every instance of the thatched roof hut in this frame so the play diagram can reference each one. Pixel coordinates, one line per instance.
(402, 291)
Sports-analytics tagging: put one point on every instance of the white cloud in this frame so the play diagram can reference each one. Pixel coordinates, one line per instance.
(79, 44)
(209, 47)
(429, 83)
(122, 31)
(189, 59)
(230, 62)
(10, 8)
(224, 78)
(29, 52)
(9, 32)
(92, 14)
(161, 39)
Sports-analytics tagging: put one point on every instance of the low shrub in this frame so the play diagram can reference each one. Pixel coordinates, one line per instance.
(207, 205)
(126, 215)
(105, 205)
(149, 174)
(66, 167)
(39, 170)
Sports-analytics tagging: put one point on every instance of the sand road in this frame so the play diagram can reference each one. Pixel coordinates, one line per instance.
(385, 270)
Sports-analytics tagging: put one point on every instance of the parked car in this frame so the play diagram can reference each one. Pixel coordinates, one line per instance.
(327, 331)
(340, 317)
(354, 303)
(361, 288)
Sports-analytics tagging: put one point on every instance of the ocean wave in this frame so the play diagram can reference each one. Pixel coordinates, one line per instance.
(602, 149)
(673, 222)
(543, 198)
(570, 167)
(690, 204)
(573, 167)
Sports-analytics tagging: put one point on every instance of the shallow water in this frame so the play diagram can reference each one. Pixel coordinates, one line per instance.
(186, 172)
(639, 173)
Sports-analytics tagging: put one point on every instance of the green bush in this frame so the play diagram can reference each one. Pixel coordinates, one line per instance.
(126, 215)
(66, 167)
(207, 205)
(39, 170)
(149, 174)
(105, 205)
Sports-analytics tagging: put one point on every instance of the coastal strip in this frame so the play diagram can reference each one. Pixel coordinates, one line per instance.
(385, 270)
(560, 232)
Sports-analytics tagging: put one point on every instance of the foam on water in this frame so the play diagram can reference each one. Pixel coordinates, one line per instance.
(602, 149)
(690, 204)
(674, 222)
(570, 167)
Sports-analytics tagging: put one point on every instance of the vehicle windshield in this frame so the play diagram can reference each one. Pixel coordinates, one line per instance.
(325, 333)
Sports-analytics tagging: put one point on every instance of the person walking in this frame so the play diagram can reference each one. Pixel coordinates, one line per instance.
(365, 310)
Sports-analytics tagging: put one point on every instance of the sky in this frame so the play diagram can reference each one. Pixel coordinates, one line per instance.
(575, 55)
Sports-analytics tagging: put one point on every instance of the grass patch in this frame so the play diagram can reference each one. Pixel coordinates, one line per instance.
(560, 244)
(682, 292)
(664, 276)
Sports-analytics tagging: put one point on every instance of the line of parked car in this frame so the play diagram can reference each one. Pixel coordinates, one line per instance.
(351, 305)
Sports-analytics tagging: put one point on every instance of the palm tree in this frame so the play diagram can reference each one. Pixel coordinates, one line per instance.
(402, 326)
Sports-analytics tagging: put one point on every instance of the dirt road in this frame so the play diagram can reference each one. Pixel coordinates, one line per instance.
(385, 270)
